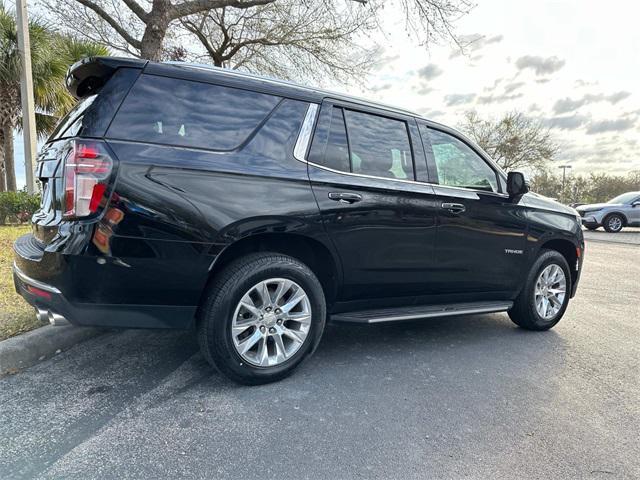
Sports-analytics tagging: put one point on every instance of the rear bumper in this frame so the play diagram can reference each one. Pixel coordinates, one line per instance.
(43, 296)
(50, 280)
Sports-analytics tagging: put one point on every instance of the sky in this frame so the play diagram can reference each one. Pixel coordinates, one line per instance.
(574, 65)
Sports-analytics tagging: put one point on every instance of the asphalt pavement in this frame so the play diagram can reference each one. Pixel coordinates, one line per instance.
(463, 397)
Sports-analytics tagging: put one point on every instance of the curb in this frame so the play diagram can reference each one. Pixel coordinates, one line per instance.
(27, 349)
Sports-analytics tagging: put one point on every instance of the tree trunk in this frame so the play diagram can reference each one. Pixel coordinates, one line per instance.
(2, 180)
(155, 31)
(10, 169)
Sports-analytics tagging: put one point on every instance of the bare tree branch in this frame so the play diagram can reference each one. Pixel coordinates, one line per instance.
(191, 7)
(109, 19)
(137, 9)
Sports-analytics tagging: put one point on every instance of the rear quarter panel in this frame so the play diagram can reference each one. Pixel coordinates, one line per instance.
(174, 209)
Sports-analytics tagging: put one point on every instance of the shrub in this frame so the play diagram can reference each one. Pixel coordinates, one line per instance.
(17, 207)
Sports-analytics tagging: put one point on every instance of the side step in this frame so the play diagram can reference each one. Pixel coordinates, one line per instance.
(426, 311)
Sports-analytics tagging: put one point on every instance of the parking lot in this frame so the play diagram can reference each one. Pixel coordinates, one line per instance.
(465, 397)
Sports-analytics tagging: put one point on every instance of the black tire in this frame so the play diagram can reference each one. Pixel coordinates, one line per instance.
(593, 227)
(613, 223)
(524, 313)
(224, 294)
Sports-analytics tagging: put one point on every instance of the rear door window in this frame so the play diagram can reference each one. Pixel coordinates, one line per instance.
(379, 146)
(337, 154)
(190, 114)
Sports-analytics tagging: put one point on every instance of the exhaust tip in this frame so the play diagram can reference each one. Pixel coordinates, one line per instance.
(42, 315)
(57, 320)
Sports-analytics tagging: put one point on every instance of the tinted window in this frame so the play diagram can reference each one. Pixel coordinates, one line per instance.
(337, 153)
(74, 117)
(379, 146)
(459, 166)
(190, 114)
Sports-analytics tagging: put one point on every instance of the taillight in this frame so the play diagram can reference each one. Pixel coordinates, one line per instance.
(86, 173)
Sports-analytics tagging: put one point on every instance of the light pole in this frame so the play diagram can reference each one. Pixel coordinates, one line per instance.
(26, 93)
(564, 177)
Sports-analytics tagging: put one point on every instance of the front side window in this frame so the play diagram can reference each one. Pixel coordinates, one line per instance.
(459, 166)
(379, 146)
(190, 114)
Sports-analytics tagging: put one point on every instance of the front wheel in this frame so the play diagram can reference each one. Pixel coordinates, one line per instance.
(263, 315)
(613, 223)
(545, 296)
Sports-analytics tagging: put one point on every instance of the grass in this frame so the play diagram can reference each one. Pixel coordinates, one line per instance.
(16, 315)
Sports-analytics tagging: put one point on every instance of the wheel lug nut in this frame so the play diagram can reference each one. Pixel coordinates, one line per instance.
(278, 311)
(272, 330)
(268, 309)
(279, 322)
(262, 328)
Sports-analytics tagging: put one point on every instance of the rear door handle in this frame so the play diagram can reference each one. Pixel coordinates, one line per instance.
(345, 197)
(454, 207)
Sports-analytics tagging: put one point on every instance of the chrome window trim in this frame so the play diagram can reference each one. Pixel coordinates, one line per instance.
(304, 136)
(304, 140)
(34, 283)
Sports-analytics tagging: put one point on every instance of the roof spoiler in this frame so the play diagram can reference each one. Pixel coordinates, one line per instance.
(90, 74)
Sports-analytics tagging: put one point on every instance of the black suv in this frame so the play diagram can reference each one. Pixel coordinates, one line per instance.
(179, 195)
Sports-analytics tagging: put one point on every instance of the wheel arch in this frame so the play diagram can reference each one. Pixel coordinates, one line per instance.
(569, 250)
(625, 220)
(311, 251)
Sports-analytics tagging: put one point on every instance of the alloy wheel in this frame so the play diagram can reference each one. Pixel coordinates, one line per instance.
(550, 291)
(615, 223)
(271, 322)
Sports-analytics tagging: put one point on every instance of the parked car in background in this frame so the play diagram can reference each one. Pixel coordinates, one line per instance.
(621, 211)
(254, 209)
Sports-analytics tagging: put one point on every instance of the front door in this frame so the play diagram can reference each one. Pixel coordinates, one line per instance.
(481, 232)
(382, 221)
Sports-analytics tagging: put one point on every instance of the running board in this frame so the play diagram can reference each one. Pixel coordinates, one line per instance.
(426, 311)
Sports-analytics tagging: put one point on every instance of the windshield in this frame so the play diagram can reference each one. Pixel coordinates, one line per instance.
(625, 198)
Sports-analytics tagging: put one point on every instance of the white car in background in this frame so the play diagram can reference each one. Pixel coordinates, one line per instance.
(621, 211)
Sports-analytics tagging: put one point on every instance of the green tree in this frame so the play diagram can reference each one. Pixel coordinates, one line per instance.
(591, 188)
(51, 55)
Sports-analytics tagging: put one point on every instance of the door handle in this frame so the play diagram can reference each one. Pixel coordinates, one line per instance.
(345, 197)
(454, 207)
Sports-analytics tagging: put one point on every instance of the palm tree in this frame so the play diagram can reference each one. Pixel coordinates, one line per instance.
(51, 55)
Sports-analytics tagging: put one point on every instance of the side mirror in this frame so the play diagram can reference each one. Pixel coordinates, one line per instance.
(517, 184)
(636, 204)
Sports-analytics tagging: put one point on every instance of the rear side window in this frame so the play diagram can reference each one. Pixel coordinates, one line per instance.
(379, 146)
(337, 154)
(190, 114)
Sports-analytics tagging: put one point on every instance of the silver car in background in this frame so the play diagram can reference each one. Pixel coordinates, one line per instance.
(621, 211)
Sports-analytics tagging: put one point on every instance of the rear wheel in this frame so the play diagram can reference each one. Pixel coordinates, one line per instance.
(545, 296)
(264, 314)
(613, 223)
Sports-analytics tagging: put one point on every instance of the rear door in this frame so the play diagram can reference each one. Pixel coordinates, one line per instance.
(381, 220)
(481, 232)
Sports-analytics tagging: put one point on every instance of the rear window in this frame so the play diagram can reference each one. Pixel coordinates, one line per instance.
(91, 115)
(72, 119)
(190, 114)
